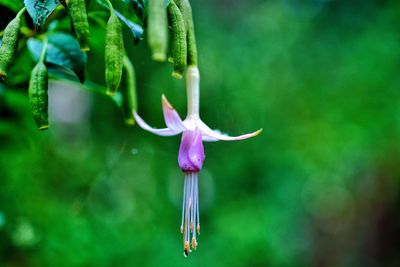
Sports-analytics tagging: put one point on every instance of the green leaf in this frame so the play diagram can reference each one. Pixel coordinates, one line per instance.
(60, 72)
(40, 10)
(136, 29)
(117, 98)
(63, 50)
(12, 4)
(138, 7)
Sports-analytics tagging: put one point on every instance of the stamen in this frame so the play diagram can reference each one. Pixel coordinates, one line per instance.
(190, 213)
(195, 200)
(187, 222)
(197, 207)
(191, 207)
(186, 249)
(183, 205)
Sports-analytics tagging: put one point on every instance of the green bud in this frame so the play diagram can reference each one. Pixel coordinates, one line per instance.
(80, 21)
(158, 29)
(114, 53)
(38, 96)
(186, 11)
(179, 45)
(10, 44)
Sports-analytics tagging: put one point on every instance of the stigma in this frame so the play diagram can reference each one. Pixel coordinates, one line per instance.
(190, 226)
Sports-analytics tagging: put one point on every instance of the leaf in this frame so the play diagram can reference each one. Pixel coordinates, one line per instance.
(117, 98)
(12, 4)
(63, 50)
(60, 72)
(140, 6)
(136, 29)
(40, 10)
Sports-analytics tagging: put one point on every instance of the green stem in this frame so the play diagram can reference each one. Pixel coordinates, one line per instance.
(27, 31)
(110, 6)
(131, 83)
(21, 12)
(44, 51)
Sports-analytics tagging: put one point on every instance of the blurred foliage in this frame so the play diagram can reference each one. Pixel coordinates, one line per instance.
(63, 50)
(319, 187)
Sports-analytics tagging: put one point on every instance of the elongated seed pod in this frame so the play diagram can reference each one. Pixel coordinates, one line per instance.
(158, 29)
(10, 44)
(186, 10)
(38, 96)
(192, 48)
(170, 58)
(114, 54)
(80, 21)
(179, 45)
(129, 98)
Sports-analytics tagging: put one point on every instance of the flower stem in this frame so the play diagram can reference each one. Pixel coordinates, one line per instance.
(193, 90)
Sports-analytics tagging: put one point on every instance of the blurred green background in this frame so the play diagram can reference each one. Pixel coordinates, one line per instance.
(319, 187)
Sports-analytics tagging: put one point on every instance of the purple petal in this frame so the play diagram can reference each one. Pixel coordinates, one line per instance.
(161, 132)
(171, 117)
(191, 151)
(209, 135)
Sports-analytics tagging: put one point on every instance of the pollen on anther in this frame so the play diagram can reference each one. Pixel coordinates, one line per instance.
(194, 243)
(186, 249)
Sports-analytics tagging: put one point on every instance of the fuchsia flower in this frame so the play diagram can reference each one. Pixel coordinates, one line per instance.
(191, 152)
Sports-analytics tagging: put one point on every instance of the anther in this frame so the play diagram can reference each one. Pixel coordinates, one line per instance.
(194, 243)
(186, 249)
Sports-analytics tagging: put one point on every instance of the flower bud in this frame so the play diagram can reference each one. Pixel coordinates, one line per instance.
(114, 53)
(9, 45)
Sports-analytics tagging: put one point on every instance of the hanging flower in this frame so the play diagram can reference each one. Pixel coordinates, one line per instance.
(191, 152)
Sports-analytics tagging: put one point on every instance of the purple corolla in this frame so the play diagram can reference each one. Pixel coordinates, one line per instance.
(191, 152)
